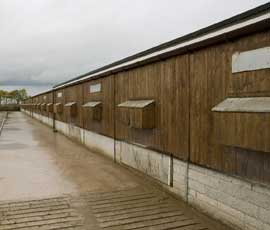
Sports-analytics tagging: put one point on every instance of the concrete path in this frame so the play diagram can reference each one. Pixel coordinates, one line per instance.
(50, 182)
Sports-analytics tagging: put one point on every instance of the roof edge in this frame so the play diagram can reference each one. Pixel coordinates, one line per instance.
(214, 27)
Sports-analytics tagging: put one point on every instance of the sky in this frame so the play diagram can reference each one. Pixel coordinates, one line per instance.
(44, 42)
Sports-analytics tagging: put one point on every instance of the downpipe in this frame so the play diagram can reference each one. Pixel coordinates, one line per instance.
(3, 122)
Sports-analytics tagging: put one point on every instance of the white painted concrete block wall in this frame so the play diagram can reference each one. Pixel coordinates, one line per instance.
(236, 202)
(75, 132)
(46, 120)
(91, 140)
(61, 127)
(180, 178)
(99, 143)
(147, 161)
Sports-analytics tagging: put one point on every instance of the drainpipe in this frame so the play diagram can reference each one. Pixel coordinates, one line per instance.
(3, 122)
(53, 101)
(31, 111)
(189, 131)
(170, 180)
(82, 115)
(114, 121)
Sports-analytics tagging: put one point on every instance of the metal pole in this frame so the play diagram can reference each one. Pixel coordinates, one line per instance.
(3, 122)
(53, 99)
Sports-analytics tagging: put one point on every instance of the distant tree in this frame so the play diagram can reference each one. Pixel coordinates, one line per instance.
(21, 95)
(15, 96)
(3, 95)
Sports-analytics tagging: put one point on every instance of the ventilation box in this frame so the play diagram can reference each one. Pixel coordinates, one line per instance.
(94, 109)
(138, 114)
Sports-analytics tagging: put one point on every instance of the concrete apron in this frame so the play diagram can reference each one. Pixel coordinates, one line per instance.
(238, 203)
(36, 163)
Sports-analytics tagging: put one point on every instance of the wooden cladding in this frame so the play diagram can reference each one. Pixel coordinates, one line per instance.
(94, 110)
(237, 117)
(43, 106)
(25, 106)
(200, 111)
(245, 130)
(38, 106)
(99, 118)
(50, 107)
(139, 114)
(72, 99)
(71, 108)
(58, 107)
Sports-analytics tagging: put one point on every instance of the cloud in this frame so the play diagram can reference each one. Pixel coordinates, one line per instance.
(51, 41)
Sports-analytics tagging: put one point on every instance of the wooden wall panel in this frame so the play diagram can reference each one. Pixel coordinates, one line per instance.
(140, 83)
(49, 99)
(58, 99)
(36, 101)
(74, 94)
(43, 99)
(106, 96)
(213, 133)
(167, 83)
(199, 114)
(175, 106)
(40, 100)
(251, 83)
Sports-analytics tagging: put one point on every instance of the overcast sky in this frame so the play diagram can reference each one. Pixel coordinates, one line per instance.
(49, 41)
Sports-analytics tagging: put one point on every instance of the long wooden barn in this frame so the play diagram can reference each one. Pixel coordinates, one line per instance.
(192, 113)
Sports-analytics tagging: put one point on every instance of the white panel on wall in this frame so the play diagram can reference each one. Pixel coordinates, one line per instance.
(251, 60)
(95, 88)
(245, 104)
(60, 94)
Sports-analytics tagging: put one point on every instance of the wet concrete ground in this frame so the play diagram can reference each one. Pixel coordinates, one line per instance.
(35, 162)
(49, 182)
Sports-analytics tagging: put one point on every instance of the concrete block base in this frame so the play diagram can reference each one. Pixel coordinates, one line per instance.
(147, 161)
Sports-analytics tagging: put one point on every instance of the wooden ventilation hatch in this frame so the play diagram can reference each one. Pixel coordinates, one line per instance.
(38, 106)
(50, 107)
(94, 108)
(245, 104)
(140, 113)
(58, 107)
(43, 106)
(234, 118)
(71, 108)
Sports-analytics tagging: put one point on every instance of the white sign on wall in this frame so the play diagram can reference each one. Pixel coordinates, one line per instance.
(251, 60)
(60, 94)
(44, 97)
(95, 88)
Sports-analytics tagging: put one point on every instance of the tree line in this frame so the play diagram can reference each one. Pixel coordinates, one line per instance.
(12, 97)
